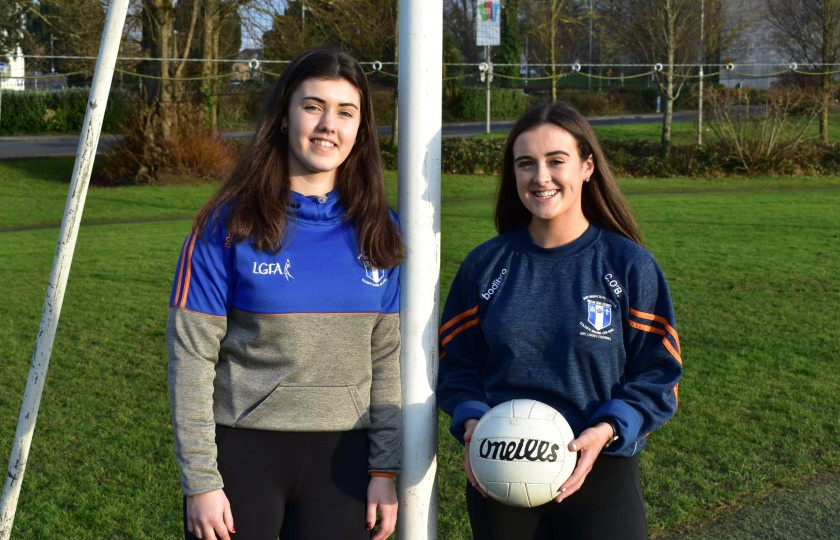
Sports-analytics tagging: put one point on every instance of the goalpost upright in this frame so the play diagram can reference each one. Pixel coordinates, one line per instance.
(88, 141)
(419, 160)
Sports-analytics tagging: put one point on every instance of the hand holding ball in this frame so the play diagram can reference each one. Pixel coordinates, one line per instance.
(519, 452)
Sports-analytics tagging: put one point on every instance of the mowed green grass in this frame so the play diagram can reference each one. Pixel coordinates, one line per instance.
(682, 131)
(753, 270)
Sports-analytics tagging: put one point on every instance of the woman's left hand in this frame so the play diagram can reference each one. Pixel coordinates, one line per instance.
(589, 444)
(382, 497)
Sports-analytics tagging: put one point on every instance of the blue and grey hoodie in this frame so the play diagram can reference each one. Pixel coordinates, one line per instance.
(306, 339)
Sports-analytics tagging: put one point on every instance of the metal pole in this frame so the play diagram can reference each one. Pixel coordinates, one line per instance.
(420, 73)
(88, 140)
(700, 85)
(2, 72)
(590, 45)
(489, 79)
(52, 53)
(303, 17)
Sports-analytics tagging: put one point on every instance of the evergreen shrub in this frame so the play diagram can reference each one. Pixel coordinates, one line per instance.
(642, 159)
(470, 104)
(56, 111)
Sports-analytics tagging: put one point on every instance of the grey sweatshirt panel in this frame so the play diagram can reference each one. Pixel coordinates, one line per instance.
(300, 372)
(192, 341)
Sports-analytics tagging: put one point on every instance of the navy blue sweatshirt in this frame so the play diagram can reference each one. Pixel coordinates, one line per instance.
(587, 328)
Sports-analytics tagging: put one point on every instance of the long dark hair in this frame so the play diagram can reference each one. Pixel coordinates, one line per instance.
(258, 189)
(601, 199)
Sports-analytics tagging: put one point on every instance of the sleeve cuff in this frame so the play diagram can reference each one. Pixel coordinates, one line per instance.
(627, 422)
(463, 412)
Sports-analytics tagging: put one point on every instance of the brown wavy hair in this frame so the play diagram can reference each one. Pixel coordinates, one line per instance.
(601, 199)
(258, 189)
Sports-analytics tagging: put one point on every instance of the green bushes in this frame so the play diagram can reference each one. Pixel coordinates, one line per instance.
(55, 111)
(470, 104)
(63, 111)
(611, 101)
(471, 156)
(633, 158)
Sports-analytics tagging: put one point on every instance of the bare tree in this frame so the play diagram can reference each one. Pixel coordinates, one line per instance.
(63, 29)
(553, 30)
(661, 33)
(215, 17)
(11, 26)
(459, 22)
(364, 28)
(810, 30)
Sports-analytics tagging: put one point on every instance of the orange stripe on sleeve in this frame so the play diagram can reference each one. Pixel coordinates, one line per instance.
(675, 353)
(466, 325)
(178, 280)
(457, 318)
(187, 266)
(646, 328)
(661, 320)
(447, 339)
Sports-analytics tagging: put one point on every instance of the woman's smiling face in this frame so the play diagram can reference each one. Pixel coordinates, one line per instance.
(549, 178)
(323, 120)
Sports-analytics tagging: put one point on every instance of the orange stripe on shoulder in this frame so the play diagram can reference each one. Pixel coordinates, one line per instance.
(457, 318)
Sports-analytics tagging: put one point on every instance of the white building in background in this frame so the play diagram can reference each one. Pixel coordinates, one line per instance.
(12, 71)
(756, 60)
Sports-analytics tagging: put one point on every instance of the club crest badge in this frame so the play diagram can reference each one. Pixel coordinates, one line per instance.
(599, 318)
(600, 314)
(374, 277)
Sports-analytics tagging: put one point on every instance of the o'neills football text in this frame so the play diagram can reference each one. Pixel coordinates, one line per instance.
(524, 449)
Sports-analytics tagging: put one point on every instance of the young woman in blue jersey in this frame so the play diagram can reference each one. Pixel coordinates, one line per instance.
(283, 332)
(566, 307)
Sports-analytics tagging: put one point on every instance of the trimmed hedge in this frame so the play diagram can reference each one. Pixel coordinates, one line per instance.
(63, 111)
(642, 158)
(55, 111)
(470, 104)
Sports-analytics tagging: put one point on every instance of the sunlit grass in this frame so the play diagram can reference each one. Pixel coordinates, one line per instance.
(752, 266)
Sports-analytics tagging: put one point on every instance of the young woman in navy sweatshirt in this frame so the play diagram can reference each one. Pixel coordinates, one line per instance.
(564, 306)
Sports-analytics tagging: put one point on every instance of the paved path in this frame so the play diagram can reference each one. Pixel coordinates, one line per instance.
(811, 512)
(32, 146)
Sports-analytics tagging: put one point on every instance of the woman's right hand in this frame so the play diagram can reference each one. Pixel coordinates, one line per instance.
(469, 427)
(209, 516)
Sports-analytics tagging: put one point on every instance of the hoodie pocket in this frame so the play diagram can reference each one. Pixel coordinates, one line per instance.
(309, 408)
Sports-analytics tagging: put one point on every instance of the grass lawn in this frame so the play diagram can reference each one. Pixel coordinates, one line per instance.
(682, 132)
(752, 265)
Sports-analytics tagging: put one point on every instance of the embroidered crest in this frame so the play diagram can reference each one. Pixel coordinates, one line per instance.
(374, 277)
(600, 314)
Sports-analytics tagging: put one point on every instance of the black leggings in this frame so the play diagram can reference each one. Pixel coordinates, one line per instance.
(608, 505)
(296, 485)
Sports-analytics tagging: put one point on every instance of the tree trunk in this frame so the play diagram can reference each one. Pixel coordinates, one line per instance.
(830, 13)
(670, 40)
(395, 121)
(158, 121)
(553, 39)
(209, 69)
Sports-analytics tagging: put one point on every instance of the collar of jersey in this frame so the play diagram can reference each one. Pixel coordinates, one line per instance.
(323, 209)
(569, 250)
